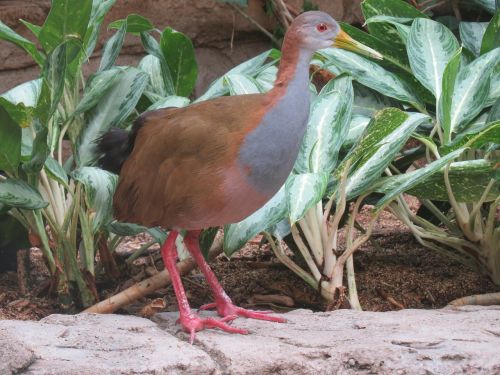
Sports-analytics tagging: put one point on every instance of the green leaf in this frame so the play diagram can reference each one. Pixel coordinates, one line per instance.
(39, 153)
(471, 34)
(468, 180)
(54, 73)
(135, 24)
(303, 191)
(395, 185)
(170, 101)
(430, 47)
(112, 48)
(491, 38)
(236, 235)
(398, 22)
(55, 171)
(97, 86)
(179, 55)
(125, 229)
(35, 29)
(445, 101)
(488, 5)
(383, 138)
(494, 91)
(19, 113)
(471, 90)
(10, 142)
(395, 54)
(243, 3)
(327, 127)
(153, 48)
(207, 238)
(99, 187)
(367, 101)
(112, 110)
(17, 193)
(370, 74)
(391, 8)
(494, 114)
(67, 19)
(6, 33)
(490, 134)
(240, 84)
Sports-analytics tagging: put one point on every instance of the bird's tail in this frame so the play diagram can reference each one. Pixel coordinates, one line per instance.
(114, 147)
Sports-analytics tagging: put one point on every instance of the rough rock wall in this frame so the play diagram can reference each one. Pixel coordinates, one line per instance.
(212, 26)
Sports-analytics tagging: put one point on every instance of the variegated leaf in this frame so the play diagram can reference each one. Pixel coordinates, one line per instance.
(327, 127)
(170, 101)
(240, 84)
(303, 191)
(17, 193)
(381, 141)
(369, 74)
(152, 66)
(236, 235)
(430, 46)
(471, 35)
(471, 90)
(468, 180)
(99, 186)
(112, 109)
(249, 68)
(96, 88)
(395, 185)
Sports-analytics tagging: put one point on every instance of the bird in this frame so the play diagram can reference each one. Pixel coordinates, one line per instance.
(217, 161)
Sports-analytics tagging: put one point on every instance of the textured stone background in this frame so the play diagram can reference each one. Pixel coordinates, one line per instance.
(449, 341)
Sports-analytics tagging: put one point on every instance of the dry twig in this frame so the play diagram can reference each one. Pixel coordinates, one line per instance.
(149, 285)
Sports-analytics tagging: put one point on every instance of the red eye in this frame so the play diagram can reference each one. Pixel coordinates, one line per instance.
(321, 27)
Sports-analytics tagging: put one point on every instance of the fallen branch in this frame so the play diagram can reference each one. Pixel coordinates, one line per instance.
(478, 299)
(149, 285)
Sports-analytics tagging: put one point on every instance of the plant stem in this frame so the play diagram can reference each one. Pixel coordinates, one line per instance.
(283, 258)
(311, 240)
(305, 253)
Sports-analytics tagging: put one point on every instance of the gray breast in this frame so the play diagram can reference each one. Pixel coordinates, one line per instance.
(270, 150)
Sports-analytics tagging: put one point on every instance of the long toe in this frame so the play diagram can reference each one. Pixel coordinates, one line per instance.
(261, 315)
(194, 323)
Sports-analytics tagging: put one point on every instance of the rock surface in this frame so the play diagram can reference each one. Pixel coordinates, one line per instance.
(222, 37)
(448, 341)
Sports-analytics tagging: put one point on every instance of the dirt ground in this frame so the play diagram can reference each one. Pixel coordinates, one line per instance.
(399, 274)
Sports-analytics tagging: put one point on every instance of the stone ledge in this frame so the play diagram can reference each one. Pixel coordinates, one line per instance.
(459, 340)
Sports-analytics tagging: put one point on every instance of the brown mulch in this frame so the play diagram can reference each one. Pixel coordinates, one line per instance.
(401, 273)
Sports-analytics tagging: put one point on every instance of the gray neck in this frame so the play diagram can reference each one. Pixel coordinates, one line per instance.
(270, 150)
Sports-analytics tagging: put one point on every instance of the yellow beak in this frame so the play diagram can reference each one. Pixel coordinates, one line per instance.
(344, 41)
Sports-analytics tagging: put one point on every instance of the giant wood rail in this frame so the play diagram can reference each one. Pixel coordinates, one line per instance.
(217, 161)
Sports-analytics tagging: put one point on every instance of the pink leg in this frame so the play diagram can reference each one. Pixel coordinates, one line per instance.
(190, 321)
(223, 303)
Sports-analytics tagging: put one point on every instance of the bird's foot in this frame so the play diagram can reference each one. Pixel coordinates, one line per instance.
(226, 308)
(193, 323)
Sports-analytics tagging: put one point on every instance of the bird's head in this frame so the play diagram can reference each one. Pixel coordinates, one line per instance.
(316, 30)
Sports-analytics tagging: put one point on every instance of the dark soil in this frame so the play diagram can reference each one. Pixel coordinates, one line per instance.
(399, 274)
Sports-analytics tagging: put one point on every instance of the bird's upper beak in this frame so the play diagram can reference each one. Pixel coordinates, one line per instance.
(343, 40)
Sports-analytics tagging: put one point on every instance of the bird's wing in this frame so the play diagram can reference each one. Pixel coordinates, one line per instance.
(176, 170)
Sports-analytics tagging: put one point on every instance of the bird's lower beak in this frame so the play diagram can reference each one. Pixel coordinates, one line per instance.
(344, 41)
